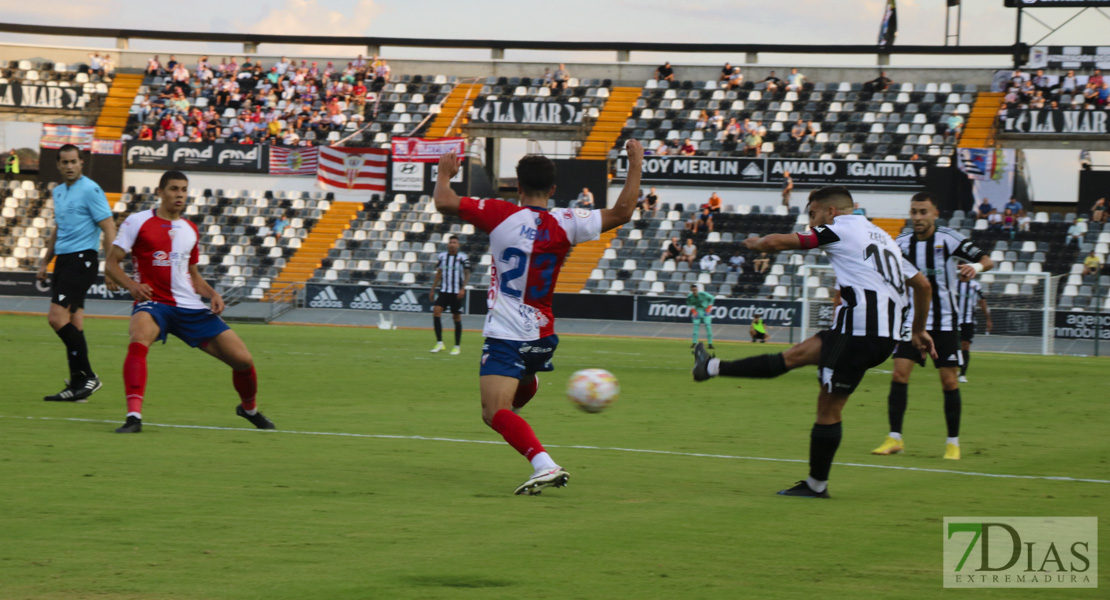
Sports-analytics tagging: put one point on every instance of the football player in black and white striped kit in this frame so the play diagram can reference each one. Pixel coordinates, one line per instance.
(970, 296)
(869, 320)
(935, 252)
(452, 273)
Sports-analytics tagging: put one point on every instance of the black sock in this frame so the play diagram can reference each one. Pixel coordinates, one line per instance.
(823, 442)
(952, 407)
(77, 352)
(763, 366)
(458, 332)
(439, 328)
(896, 405)
(967, 360)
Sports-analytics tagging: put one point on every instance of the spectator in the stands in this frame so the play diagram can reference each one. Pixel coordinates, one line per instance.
(688, 148)
(153, 67)
(735, 79)
(716, 122)
(703, 120)
(382, 73)
(665, 72)
(146, 133)
(798, 131)
(282, 66)
(753, 144)
(280, 223)
(773, 83)
(1104, 94)
(1024, 221)
(954, 126)
(880, 83)
(1096, 78)
(1009, 222)
(983, 209)
(811, 131)
(546, 78)
(1090, 94)
(689, 253)
(858, 210)
(761, 264)
(726, 71)
(1013, 205)
(787, 187)
(107, 65)
(1041, 82)
(1099, 211)
(661, 148)
(96, 66)
(1068, 83)
(994, 221)
(704, 219)
(171, 63)
(795, 81)
(560, 78)
(1076, 231)
(736, 262)
(709, 262)
(1092, 264)
(714, 204)
(585, 199)
(672, 251)
(651, 202)
(731, 132)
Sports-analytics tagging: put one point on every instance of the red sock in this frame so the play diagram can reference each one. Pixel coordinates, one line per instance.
(525, 391)
(134, 376)
(517, 432)
(246, 383)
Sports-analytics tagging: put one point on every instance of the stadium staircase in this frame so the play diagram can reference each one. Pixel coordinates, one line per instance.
(314, 249)
(891, 226)
(979, 129)
(581, 261)
(609, 123)
(117, 106)
(458, 104)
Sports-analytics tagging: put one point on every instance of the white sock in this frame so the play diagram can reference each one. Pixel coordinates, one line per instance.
(896, 435)
(543, 461)
(251, 412)
(714, 367)
(955, 441)
(817, 486)
(138, 416)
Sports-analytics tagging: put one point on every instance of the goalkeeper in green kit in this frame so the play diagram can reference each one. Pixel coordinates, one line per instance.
(700, 304)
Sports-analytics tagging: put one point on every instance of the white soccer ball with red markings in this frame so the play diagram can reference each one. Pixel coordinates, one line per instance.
(593, 390)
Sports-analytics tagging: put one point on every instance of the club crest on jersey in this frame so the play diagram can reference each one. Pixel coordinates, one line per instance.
(582, 213)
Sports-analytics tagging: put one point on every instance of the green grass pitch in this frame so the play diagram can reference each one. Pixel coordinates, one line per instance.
(236, 513)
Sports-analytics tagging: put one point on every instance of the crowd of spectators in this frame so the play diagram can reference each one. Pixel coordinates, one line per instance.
(271, 105)
(1010, 220)
(1040, 91)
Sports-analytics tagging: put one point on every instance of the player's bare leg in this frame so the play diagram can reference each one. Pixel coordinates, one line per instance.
(70, 328)
(143, 331)
(498, 392)
(896, 407)
(437, 323)
(764, 366)
(229, 348)
(953, 406)
(824, 439)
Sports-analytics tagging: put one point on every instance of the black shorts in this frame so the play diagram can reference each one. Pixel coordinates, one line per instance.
(449, 300)
(967, 332)
(846, 358)
(759, 336)
(74, 274)
(947, 344)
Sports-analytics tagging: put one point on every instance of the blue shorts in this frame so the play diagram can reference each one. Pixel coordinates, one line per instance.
(194, 326)
(518, 359)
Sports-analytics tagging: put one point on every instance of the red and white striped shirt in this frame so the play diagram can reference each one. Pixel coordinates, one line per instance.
(162, 251)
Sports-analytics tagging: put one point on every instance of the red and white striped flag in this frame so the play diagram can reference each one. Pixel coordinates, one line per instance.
(297, 160)
(345, 169)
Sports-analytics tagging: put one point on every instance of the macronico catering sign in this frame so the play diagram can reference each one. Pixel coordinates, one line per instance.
(526, 112)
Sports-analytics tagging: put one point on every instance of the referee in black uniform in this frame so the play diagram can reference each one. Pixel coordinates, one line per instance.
(81, 214)
(452, 273)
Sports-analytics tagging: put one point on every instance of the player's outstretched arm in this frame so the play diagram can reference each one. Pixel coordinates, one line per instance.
(622, 209)
(922, 296)
(447, 201)
(775, 242)
(141, 292)
(205, 290)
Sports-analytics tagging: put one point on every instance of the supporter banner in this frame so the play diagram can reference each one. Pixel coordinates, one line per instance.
(188, 156)
(1081, 326)
(991, 171)
(768, 172)
(21, 95)
(348, 169)
(22, 283)
(56, 136)
(726, 311)
(295, 160)
(1069, 57)
(107, 147)
(425, 150)
(525, 112)
(367, 297)
(1078, 122)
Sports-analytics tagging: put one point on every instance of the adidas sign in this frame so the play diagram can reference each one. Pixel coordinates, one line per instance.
(407, 302)
(367, 300)
(326, 299)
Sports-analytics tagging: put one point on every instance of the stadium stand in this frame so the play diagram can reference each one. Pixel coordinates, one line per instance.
(56, 74)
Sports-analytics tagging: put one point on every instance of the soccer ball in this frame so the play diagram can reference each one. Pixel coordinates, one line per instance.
(592, 390)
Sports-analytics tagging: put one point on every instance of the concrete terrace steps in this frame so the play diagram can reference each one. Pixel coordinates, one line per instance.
(980, 123)
(458, 102)
(582, 260)
(117, 106)
(314, 248)
(891, 226)
(609, 123)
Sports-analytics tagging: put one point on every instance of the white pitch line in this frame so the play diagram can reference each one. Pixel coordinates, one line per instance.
(575, 447)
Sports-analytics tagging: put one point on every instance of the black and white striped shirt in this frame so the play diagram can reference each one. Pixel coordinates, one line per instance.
(452, 269)
(936, 258)
(969, 294)
(871, 275)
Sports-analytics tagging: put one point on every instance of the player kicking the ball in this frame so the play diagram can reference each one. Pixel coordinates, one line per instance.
(872, 277)
(528, 245)
(163, 247)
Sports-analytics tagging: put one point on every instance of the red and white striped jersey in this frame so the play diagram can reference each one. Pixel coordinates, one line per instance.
(528, 246)
(162, 251)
